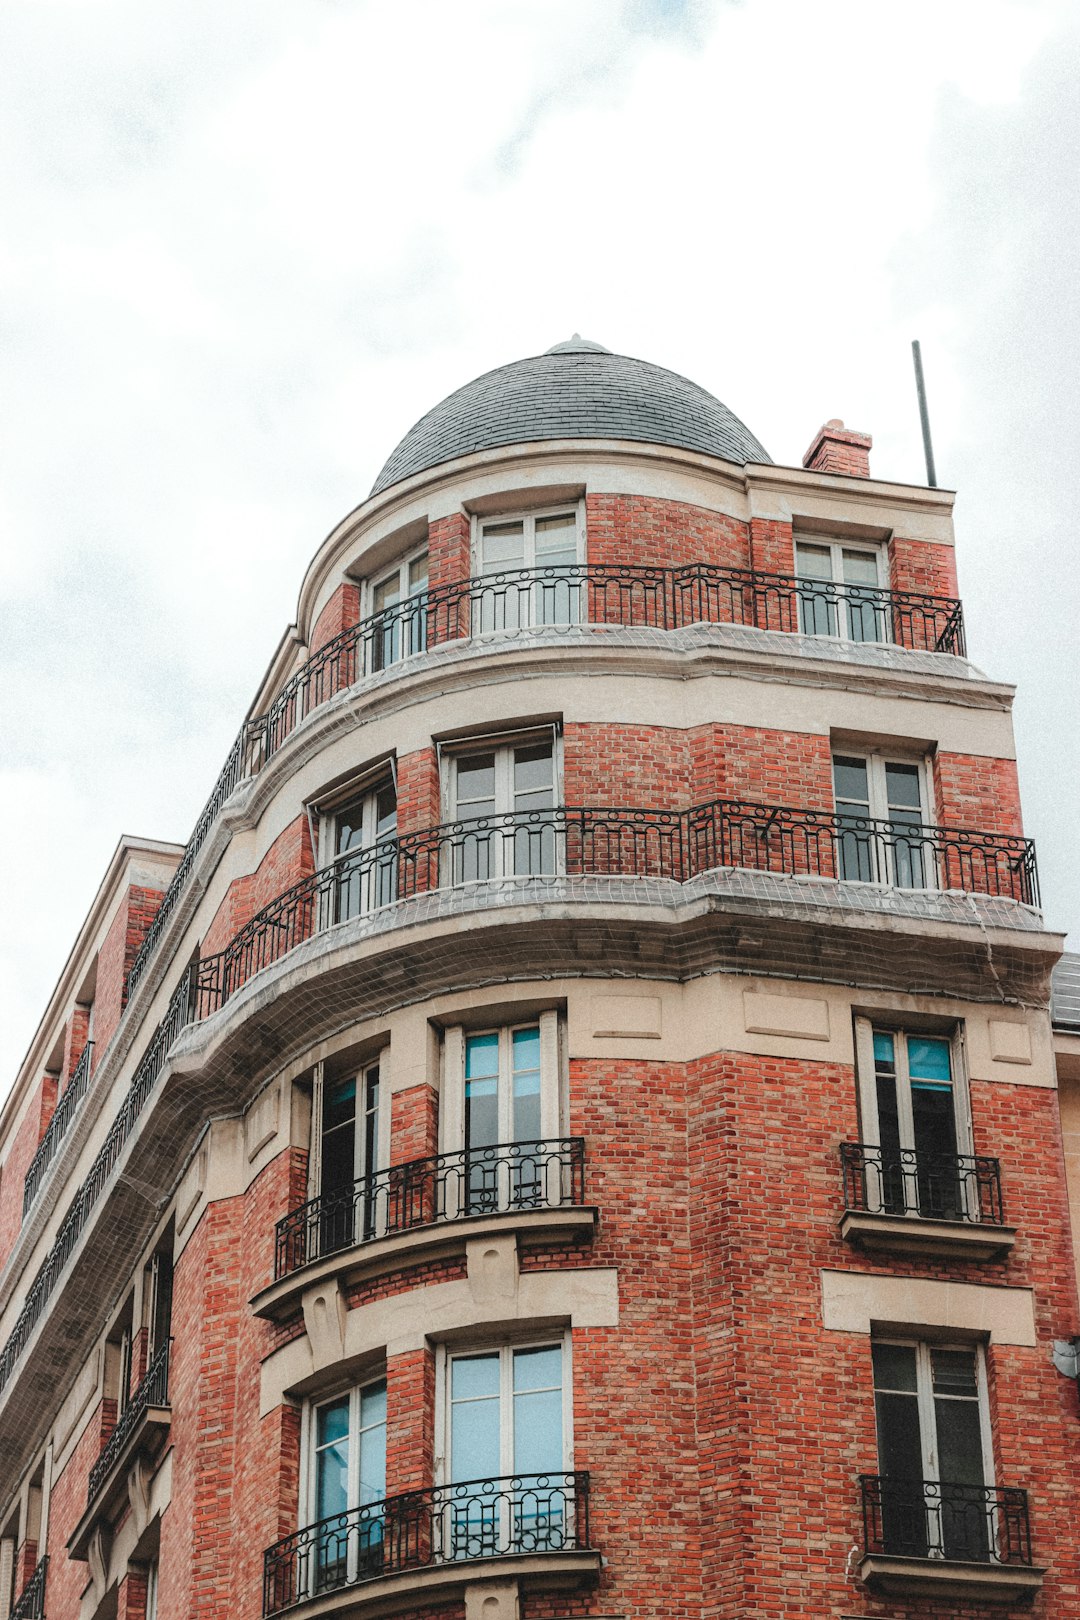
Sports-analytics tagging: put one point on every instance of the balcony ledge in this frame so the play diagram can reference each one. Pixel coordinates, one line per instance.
(443, 1583)
(366, 1260)
(146, 1438)
(950, 1578)
(914, 1234)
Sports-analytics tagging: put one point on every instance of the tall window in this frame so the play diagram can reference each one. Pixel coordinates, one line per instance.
(840, 591)
(399, 597)
(347, 1485)
(350, 1156)
(364, 842)
(933, 1451)
(506, 1423)
(499, 795)
(528, 567)
(880, 806)
(915, 1110)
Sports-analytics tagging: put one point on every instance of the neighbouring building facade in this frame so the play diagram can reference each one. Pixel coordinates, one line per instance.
(574, 1134)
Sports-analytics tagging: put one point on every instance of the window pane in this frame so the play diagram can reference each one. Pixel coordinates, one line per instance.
(813, 562)
(385, 813)
(539, 1368)
(850, 780)
(333, 1422)
(350, 827)
(929, 1060)
(475, 1377)
(373, 1443)
(533, 788)
(902, 786)
(387, 593)
(895, 1367)
(884, 1051)
(502, 546)
(474, 1423)
(860, 568)
(526, 1061)
(418, 574)
(556, 540)
(481, 1055)
(954, 1373)
(538, 1432)
(899, 1442)
(476, 784)
(339, 1103)
(959, 1442)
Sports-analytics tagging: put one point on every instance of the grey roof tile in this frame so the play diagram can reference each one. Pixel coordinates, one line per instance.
(572, 392)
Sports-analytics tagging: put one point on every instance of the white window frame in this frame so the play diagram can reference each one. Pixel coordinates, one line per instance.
(866, 1074)
(502, 745)
(401, 567)
(836, 548)
(876, 760)
(552, 1086)
(925, 1396)
(444, 1356)
(518, 611)
(366, 789)
(528, 521)
(308, 1443)
(379, 1060)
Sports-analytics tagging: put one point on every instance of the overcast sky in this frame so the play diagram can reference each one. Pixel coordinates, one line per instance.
(246, 243)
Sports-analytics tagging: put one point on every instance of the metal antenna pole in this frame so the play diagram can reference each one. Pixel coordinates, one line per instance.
(924, 415)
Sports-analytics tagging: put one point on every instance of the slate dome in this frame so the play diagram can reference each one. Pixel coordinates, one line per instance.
(576, 390)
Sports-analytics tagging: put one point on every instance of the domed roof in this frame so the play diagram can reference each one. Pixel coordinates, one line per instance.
(577, 390)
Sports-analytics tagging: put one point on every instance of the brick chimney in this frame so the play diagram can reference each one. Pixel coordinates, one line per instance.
(837, 449)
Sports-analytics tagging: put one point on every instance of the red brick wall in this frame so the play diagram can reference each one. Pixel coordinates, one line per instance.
(118, 950)
(639, 531)
(772, 546)
(410, 1421)
(340, 613)
(288, 859)
(644, 766)
(78, 1027)
(449, 550)
(23, 1146)
(978, 792)
(414, 1124)
(418, 794)
(67, 1504)
(131, 1596)
(918, 565)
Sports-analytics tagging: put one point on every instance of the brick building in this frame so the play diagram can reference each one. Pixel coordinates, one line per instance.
(574, 1133)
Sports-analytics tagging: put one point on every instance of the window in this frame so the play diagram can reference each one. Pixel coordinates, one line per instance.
(363, 838)
(914, 1109)
(879, 804)
(400, 599)
(507, 1423)
(529, 568)
(840, 591)
(500, 1115)
(502, 796)
(933, 1452)
(351, 1121)
(347, 1486)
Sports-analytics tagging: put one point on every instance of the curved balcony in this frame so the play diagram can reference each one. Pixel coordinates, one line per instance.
(676, 845)
(557, 597)
(931, 1538)
(906, 1201)
(411, 1209)
(424, 1546)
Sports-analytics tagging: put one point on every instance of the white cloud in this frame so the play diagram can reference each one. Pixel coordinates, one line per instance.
(248, 242)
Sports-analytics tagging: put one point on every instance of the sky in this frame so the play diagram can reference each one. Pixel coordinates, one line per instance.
(246, 243)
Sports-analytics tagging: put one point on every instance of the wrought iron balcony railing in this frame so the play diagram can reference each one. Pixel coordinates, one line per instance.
(152, 1391)
(575, 842)
(936, 1186)
(922, 1518)
(445, 1525)
(31, 1601)
(492, 1180)
(63, 1114)
(557, 597)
